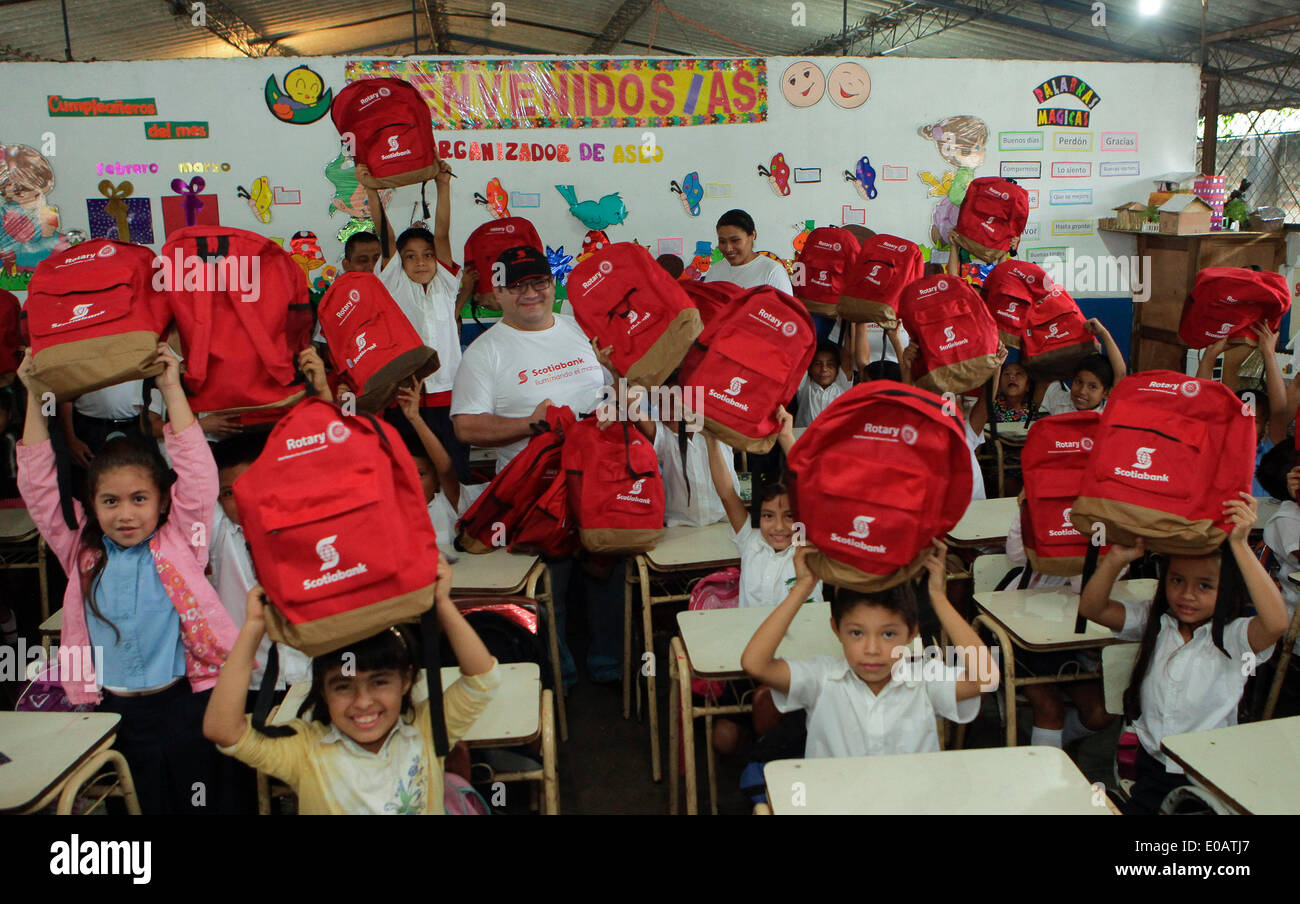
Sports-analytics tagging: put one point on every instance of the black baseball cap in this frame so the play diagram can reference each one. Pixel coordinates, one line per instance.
(523, 262)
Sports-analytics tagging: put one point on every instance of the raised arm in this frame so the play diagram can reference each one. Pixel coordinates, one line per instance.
(981, 669)
(442, 216)
(1097, 328)
(1205, 369)
(759, 659)
(731, 502)
(1095, 603)
(1271, 619)
(223, 721)
(408, 399)
(313, 368)
(786, 436)
(376, 206)
(472, 655)
(1279, 416)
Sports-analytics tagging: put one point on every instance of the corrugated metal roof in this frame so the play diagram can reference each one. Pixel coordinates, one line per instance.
(998, 29)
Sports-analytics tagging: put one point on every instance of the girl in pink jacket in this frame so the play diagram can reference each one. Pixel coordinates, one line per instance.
(144, 634)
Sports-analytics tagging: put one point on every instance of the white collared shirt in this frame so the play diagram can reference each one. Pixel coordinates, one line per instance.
(393, 781)
(813, 399)
(704, 506)
(766, 575)
(431, 310)
(1189, 686)
(1282, 534)
(845, 718)
(233, 576)
(120, 402)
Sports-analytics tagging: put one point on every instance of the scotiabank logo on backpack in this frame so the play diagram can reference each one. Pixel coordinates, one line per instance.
(394, 149)
(80, 314)
(1067, 526)
(728, 395)
(1140, 469)
(329, 557)
(634, 494)
(856, 537)
(362, 349)
(951, 340)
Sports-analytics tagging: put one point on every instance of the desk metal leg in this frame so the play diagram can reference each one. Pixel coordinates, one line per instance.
(711, 759)
(1008, 671)
(674, 734)
(88, 770)
(628, 676)
(1283, 663)
(550, 774)
(687, 727)
(547, 599)
(652, 701)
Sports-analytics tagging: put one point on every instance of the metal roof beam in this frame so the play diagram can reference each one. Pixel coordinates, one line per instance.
(435, 14)
(1284, 24)
(619, 25)
(227, 25)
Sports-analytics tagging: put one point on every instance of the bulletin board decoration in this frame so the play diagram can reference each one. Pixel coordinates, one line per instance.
(863, 178)
(699, 264)
(608, 211)
(803, 83)
(560, 262)
(119, 216)
(576, 94)
(188, 207)
(848, 85)
(777, 174)
(304, 98)
(961, 141)
(496, 199)
(29, 224)
(259, 199)
(801, 236)
(690, 192)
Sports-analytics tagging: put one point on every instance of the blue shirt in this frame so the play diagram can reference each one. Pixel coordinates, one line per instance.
(130, 594)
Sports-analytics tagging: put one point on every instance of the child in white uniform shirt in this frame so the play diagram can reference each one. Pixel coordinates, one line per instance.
(1280, 477)
(424, 280)
(827, 379)
(1194, 641)
(232, 565)
(447, 499)
(873, 701)
(767, 569)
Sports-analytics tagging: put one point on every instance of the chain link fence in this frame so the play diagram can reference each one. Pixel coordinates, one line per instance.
(1270, 161)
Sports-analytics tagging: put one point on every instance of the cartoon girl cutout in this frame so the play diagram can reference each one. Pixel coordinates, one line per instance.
(29, 227)
(350, 195)
(961, 142)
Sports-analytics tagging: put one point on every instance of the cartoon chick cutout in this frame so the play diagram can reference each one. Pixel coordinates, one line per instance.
(303, 86)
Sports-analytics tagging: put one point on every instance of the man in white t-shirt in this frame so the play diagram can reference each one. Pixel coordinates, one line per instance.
(530, 359)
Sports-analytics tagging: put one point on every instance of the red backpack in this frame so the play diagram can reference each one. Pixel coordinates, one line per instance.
(824, 266)
(485, 245)
(1169, 450)
(94, 316)
(1226, 302)
(373, 345)
(884, 266)
(1054, 459)
(392, 130)
(495, 517)
(1056, 338)
(615, 490)
(879, 474)
(755, 354)
(624, 300)
(10, 337)
(335, 519)
(992, 216)
(1010, 290)
(955, 335)
(243, 318)
(337, 525)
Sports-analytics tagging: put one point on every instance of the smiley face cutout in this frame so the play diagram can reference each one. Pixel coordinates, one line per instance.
(803, 83)
(849, 85)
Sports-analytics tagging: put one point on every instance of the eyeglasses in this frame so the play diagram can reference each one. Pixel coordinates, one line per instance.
(541, 284)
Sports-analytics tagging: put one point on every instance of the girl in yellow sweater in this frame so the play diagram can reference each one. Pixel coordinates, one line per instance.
(369, 748)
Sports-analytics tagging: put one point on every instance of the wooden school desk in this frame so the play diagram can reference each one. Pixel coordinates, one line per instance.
(683, 554)
(56, 755)
(985, 523)
(503, 573)
(709, 646)
(1252, 767)
(520, 713)
(1042, 620)
(1037, 781)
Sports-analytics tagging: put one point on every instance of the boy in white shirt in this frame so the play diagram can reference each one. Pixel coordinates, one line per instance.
(827, 379)
(873, 701)
(767, 570)
(424, 280)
